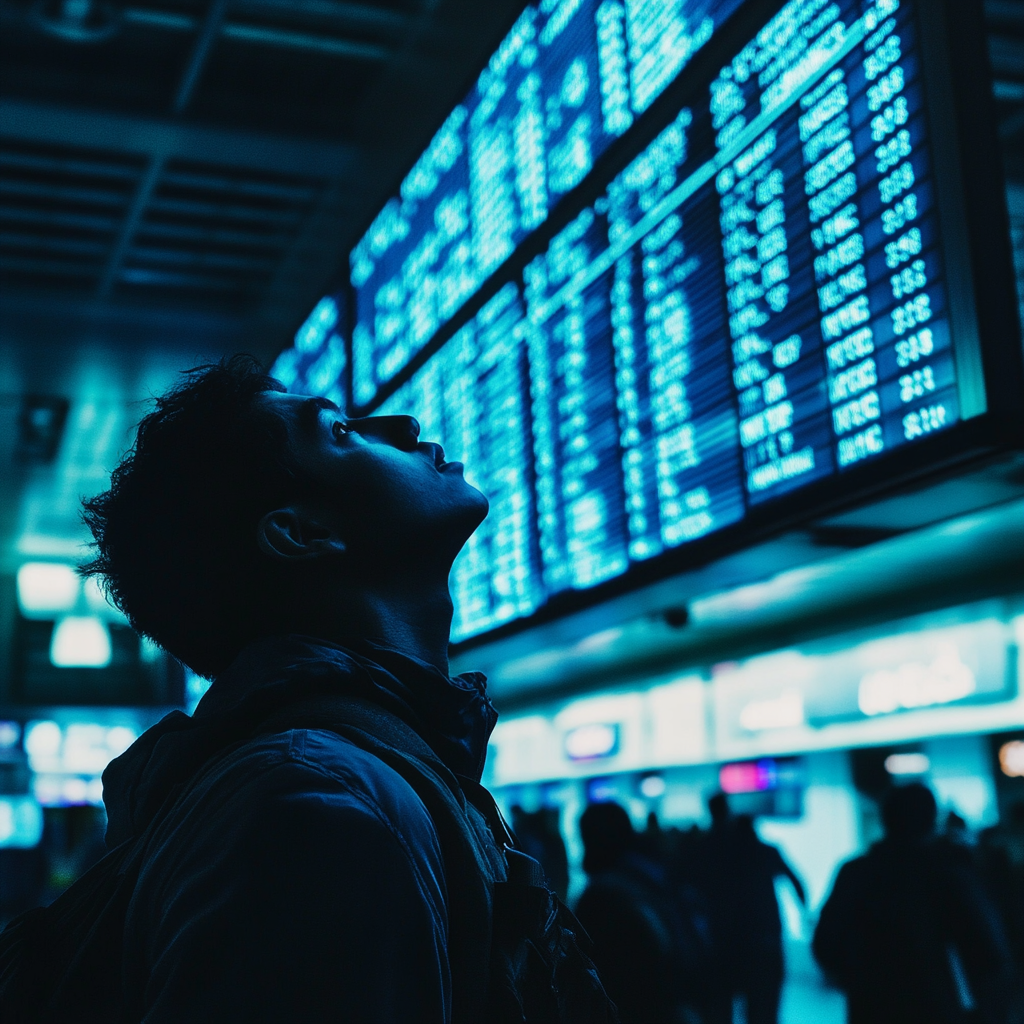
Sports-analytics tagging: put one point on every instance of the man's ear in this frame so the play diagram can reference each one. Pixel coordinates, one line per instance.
(290, 536)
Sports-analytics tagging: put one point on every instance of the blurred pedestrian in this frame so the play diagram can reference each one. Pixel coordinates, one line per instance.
(540, 835)
(909, 933)
(641, 933)
(737, 873)
(1001, 859)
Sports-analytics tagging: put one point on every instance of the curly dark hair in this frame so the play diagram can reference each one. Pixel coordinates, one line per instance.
(175, 535)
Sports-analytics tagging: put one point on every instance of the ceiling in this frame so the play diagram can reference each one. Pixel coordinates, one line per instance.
(212, 158)
(182, 178)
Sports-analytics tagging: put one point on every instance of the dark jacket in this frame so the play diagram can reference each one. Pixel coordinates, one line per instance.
(737, 873)
(301, 877)
(909, 934)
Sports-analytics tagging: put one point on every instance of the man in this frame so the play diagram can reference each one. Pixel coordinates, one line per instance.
(737, 872)
(908, 932)
(291, 872)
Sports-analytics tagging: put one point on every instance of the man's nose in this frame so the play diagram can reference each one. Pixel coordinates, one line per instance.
(400, 431)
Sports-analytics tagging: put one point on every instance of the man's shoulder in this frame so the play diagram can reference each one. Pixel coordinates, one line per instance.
(858, 872)
(288, 798)
(319, 761)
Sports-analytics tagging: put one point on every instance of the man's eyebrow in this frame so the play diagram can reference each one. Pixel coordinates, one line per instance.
(309, 411)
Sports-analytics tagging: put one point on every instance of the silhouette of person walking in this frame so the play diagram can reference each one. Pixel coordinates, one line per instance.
(628, 911)
(737, 873)
(908, 932)
(540, 836)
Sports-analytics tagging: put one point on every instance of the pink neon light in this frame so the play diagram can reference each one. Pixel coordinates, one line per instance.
(747, 777)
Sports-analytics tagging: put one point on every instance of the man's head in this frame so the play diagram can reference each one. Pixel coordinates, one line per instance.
(909, 812)
(718, 808)
(240, 505)
(607, 833)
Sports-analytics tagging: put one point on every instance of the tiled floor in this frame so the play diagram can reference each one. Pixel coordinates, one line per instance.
(806, 999)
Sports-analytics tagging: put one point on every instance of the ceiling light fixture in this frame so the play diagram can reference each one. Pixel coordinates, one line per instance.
(76, 21)
(46, 588)
(80, 641)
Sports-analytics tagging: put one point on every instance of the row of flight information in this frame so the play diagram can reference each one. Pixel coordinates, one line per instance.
(568, 79)
(754, 303)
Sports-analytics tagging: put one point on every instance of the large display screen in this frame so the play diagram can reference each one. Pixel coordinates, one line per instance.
(755, 302)
(675, 273)
(569, 78)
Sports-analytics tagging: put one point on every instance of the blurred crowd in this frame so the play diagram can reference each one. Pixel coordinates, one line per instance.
(927, 926)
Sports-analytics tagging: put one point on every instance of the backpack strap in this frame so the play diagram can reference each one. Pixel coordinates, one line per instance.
(468, 872)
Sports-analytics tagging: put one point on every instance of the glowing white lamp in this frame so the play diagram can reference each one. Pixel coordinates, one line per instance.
(652, 786)
(43, 741)
(1011, 758)
(45, 588)
(80, 641)
(907, 764)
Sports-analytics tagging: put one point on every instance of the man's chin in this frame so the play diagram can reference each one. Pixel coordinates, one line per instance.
(483, 506)
(471, 515)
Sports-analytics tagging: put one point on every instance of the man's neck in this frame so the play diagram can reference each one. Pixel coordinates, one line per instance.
(410, 616)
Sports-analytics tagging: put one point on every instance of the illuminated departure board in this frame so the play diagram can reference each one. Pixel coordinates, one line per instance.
(753, 300)
(568, 79)
(474, 398)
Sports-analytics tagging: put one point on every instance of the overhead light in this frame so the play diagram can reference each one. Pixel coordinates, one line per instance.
(42, 744)
(119, 739)
(41, 545)
(786, 711)
(652, 786)
(79, 748)
(1011, 758)
(67, 790)
(76, 21)
(80, 641)
(45, 588)
(597, 739)
(907, 764)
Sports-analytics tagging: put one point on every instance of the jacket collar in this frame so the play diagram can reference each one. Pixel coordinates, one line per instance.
(451, 714)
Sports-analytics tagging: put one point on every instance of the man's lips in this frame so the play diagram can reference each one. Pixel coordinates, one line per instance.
(438, 454)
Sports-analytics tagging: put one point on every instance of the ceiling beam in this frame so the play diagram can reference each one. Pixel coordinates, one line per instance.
(143, 192)
(170, 21)
(338, 12)
(200, 54)
(22, 120)
(148, 182)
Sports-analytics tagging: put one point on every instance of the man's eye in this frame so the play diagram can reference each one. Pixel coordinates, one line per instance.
(338, 428)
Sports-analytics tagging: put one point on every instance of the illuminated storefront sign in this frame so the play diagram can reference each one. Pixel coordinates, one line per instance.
(855, 692)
